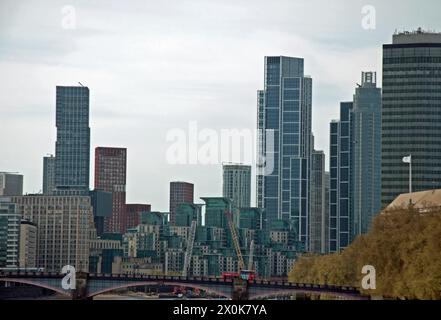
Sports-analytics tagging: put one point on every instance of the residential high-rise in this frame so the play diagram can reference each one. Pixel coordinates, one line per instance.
(28, 244)
(110, 176)
(284, 123)
(72, 149)
(180, 192)
(340, 179)
(366, 169)
(317, 201)
(64, 225)
(237, 184)
(411, 113)
(9, 234)
(11, 184)
(48, 175)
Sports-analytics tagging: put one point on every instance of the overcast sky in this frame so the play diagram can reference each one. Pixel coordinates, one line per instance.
(154, 66)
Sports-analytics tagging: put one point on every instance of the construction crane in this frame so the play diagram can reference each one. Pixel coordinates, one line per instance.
(250, 259)
(189, 251)
(242, 273)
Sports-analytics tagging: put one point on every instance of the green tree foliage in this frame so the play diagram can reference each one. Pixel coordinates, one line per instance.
(404, 246)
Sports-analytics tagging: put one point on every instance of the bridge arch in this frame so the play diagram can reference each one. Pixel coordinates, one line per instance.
(37, 283)
(158, 283)
(289, 292)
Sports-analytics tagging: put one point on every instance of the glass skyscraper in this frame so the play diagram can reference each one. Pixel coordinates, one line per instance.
(73, 141)
(340, 199)
(366, 159)
(48, 175)
(411, 113)
(284, 123)
(317, 201)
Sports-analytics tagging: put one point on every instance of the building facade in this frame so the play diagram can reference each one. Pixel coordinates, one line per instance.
(48, 175)
(28, 245)
(102, 204)
(64, 225)
(134, 212)
(72, 148)
(237, 184)
(180, 192)
(317, 201)
(11, 184)
(411, 113)
(9, 234)
(111, 176)
(366, 171)
(340, 207)
(325, 218)
(284, 124)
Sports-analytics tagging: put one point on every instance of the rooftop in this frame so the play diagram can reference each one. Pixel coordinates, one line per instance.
(420, 200)
(416, 36)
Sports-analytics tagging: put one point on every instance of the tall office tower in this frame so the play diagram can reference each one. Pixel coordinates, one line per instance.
(325, 218)
(317, 201)
(284, 124)
(134, 212)
(11, 184)
(110, 176)
(72, 149)
(180, 192)
(64, 225)
(366, 171)
(237, 184)
(411, 113)
(340, 179)
(9, 234)
(28, 244)
(48, 175)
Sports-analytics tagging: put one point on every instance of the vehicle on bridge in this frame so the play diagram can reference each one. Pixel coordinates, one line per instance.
(247, 275)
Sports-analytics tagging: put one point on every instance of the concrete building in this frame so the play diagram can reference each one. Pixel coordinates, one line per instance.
(28, 244)
(180, 192)
(64, 225)
(111, 176)
(72, 148)
(9, 234)
(366, 162)
(11, 184)
(317, 201)
(284, 121)
(237, 184)
(341, 151)
(48, 175)
(411, 113)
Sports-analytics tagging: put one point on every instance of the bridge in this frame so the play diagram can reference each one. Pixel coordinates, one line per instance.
(89, 285)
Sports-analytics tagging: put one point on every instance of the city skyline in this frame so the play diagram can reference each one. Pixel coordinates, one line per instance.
(334, 78)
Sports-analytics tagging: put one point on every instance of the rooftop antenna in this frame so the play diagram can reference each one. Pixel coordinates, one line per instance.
(80, 84)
